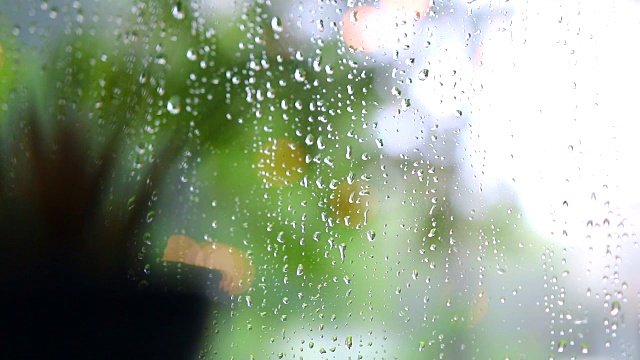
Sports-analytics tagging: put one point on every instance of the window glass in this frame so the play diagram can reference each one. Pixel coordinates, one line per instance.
(386, 179)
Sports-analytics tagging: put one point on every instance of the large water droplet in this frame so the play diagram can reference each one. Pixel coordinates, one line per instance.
(276, 24)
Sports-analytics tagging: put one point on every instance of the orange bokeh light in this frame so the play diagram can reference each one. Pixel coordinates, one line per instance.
(236, 268)
(407, 9)
(360, 28)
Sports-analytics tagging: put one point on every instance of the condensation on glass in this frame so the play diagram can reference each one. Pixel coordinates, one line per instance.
(386, 179)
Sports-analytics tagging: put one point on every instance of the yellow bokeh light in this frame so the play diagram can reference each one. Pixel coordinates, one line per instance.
(280, 162)
(350, 203)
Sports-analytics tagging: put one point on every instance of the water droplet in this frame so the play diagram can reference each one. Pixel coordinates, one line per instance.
(371, 235)
(561, 345)
(276, 24)
(309, 140)
(300, 270)
(299, 75)
(177, 11)
(423, 74)
(379, 143)
(406, 104)
(191, 55)
(348, 342)
(174, 105)
(615, 308)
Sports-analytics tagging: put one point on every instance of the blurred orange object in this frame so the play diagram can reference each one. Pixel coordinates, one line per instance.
(236, 268)
(361, 28)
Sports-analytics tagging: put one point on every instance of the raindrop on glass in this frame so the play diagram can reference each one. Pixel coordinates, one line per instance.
(615, 308)
(276, 24)
(177, 11)
(174, 105)
(423, 74)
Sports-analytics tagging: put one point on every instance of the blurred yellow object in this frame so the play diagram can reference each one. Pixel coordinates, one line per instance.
(236, 268)
(350, 203)
(281, 162)
(479, 308)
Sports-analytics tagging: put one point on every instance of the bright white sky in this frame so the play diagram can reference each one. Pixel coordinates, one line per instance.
(549, 95)
(559, 87)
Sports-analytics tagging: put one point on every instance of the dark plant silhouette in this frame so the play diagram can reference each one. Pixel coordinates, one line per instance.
(69, 272)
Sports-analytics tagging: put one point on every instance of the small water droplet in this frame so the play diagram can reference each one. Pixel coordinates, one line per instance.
(177, 11)
(174, 105)
(300, 270)
(406, 104)
(348, 342)
(299, 75)
(615, 308)
(423, 74)
(421, 346)
(561, 345)
(309, 140)
(191, 55)
(371, 235)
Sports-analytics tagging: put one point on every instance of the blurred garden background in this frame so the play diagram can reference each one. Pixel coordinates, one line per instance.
(408, 179)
